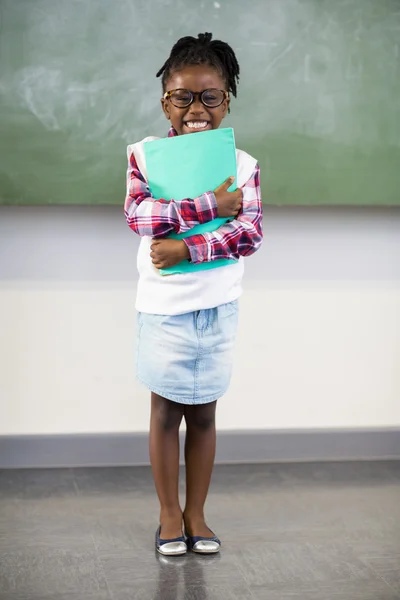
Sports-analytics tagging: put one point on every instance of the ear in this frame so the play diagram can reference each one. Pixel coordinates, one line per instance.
(165, 107)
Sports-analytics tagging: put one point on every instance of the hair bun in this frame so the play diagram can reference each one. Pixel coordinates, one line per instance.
(205, 38)
(203, 50)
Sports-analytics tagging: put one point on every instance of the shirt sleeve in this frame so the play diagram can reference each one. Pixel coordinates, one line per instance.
(240, 237)
(157, 218)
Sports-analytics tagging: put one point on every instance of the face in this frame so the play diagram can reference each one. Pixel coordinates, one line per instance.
(195, 117)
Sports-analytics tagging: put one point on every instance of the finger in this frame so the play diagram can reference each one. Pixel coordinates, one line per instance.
(227, 184)
(159, 265)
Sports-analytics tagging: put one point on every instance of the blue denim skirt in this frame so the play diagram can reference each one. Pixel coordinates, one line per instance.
(187, 358)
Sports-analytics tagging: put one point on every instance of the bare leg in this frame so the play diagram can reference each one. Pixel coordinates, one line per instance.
(199, 456)
(166, 417)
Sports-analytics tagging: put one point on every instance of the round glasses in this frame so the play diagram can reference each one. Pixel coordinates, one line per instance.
(182, 98)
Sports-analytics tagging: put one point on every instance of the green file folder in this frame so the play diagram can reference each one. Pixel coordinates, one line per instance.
(187, 166)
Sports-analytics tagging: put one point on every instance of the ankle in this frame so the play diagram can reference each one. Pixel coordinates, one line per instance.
(171, 523)
(193, 516)
(195, 524)
(170, 514)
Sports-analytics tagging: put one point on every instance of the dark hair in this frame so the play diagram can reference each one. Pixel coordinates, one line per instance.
(203, 51)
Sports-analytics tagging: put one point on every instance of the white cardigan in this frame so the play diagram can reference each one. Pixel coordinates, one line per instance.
(186, 292)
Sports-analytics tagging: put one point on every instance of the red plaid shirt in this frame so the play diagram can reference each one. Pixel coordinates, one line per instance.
(157, 218)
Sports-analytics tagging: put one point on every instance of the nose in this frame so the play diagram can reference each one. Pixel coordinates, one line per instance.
(197, 107)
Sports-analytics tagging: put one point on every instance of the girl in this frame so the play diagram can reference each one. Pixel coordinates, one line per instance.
(187, 322)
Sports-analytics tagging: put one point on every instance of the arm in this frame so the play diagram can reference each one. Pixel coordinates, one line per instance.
(240, 237)
(157, 218)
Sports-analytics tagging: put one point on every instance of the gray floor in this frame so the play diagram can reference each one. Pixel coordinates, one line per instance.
(305, 531)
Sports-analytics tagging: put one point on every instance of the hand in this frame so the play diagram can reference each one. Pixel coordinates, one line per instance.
(229, 203)
(168, 252)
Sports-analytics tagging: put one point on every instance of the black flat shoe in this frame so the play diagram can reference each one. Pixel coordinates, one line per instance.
(175, 547)
(203, 545)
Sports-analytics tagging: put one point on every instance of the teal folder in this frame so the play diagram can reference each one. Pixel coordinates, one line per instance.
(187, 166)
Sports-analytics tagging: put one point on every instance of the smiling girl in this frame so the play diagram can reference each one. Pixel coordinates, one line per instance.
(187, 322)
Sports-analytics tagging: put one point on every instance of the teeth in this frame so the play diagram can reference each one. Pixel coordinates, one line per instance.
(196, 124)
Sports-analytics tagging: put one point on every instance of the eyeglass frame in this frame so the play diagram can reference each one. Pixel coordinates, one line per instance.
(167, 96)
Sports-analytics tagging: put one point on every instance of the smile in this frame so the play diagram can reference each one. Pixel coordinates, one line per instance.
(197, 124)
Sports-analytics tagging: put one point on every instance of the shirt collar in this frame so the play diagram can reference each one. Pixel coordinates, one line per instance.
(172, 132)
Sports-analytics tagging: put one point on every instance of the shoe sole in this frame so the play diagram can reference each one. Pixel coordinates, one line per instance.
(205, 552)
(171, 554)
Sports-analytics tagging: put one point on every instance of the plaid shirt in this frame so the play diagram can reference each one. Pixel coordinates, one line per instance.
(157, 218)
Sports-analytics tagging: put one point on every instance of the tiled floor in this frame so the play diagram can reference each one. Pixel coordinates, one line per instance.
(298, 531)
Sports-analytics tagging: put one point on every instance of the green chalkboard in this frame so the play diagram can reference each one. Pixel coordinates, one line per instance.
(319, 99)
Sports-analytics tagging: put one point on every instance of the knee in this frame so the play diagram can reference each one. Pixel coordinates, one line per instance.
(167, 413)
(200, 417)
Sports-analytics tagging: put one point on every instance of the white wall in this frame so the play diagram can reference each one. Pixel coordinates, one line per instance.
(319, 342)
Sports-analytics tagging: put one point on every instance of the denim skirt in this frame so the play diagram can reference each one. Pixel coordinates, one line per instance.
(187, 358)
